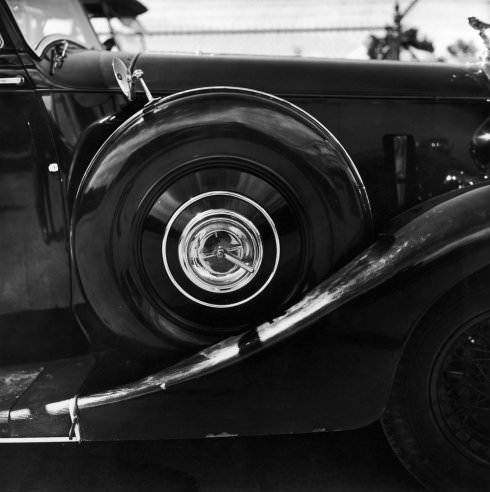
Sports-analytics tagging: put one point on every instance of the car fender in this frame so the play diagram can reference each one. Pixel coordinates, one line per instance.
(431, 247)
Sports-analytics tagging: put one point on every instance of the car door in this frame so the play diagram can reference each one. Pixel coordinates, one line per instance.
(35, 320)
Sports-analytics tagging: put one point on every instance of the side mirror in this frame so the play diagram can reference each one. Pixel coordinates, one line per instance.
(123, 77)
(126, 79)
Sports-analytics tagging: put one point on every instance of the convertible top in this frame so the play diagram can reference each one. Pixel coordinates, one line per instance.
(114, 8)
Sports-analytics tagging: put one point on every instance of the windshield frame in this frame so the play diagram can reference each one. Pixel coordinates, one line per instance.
(91, 40)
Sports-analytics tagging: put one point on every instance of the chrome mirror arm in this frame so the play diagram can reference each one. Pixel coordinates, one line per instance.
(58, 56)
(126, 79)
(138, 75)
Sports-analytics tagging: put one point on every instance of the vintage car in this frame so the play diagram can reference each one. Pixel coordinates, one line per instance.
(203, 245)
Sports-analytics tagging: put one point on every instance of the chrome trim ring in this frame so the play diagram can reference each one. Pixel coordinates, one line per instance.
(220, 250)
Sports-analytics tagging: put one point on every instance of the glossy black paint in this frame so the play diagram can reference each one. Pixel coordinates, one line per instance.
(338, 378)
(436, 234)
(397, 267)
(439, 107)
(203, 141)
(298, 386)
(35, 302)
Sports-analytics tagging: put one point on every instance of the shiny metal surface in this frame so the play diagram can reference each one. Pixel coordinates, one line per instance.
(18, 80)
(220, 250)
(35, 440)
(58, 55)
(53, 167)
(138, 75)
(123, 77)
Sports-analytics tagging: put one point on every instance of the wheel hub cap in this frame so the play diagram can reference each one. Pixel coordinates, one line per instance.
(220, 250)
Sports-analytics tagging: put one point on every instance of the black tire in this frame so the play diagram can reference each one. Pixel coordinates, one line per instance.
(433, 420)
(261, 161)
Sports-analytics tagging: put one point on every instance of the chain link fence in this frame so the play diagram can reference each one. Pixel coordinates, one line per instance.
(309, 28)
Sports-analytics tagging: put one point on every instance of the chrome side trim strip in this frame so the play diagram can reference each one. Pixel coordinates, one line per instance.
(18, 80)
(34, 440)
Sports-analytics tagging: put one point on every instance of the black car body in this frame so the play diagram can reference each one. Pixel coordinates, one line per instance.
(219, 243)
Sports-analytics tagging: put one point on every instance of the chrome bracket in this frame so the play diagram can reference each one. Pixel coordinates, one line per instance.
(53, 167)
(58, 56)
(74, 431)
(138, 75)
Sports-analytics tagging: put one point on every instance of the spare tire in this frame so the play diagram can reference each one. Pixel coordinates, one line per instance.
(210, 211)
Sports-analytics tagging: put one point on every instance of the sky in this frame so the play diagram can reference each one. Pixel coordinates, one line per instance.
(443, 21)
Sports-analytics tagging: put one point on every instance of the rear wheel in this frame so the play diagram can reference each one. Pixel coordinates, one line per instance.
(438, 417)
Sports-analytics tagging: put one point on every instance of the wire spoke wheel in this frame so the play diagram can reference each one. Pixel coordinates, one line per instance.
(461, 390)
(438, 416)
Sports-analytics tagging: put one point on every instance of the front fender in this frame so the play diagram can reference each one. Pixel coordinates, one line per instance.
(434, 248)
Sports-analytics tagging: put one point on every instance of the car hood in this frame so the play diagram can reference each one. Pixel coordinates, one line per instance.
(283, 76)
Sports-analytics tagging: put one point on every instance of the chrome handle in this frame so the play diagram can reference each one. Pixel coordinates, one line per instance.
(18, 80)
(238, 262)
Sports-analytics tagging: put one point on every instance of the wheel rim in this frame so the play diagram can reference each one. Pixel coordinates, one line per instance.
(461, 390)
(247, 209)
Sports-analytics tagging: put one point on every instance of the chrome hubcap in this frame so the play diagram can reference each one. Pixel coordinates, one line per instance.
(220, 250)
(221, 256)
